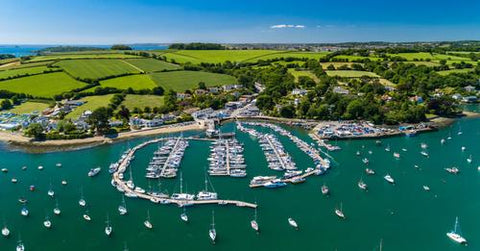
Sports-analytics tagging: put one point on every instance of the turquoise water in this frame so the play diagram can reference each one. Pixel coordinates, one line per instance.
(29, 50)
(402, 215)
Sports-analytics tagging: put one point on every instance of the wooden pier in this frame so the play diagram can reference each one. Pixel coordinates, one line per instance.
(122, 185)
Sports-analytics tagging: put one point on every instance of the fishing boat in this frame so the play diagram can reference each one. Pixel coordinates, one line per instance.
(212, 233)
(5, 231)
(358, 153)
(24, 212)
(389, 179)
(339, 212)
(184, 216)
(292, 223)
(14, 180)
(40, 168)
(455, 234)
(94, 171)
(147, 222)
(47, 223)
(369, 171)
(108, 227)
(122, 208)
(325, 190)
(362, 185)
(64, 182)
(58, 165)
(253, 223)
(452, 170)
(20, 246)
(426, 188)
(57, 210)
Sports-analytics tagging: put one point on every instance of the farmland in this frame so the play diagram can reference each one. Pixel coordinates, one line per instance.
(447, 72)
(58, 56)
(43, 85)
(183, 80)
(92, 103)
(152, 65)
(29, 107)
(351, 58)
(136, 82)
(351, 74)
(141, 101)
(96, 69)
(287, 54)
(23, 71)
(298, 74)
(432, 57)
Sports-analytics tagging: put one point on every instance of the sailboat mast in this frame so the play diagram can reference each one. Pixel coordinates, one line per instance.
(181, 183)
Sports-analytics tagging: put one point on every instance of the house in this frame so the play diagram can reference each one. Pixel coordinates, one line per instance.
(200, 92)
(115, 123)
(416, 99)
(214, 90)
(300, 92)
(145, 123)
(340, 90)
(259, 87)
(469, 88)
(470, 99)
(202, 113)
(183, 96)
(457, 96)
(233, 105)
(231, 87)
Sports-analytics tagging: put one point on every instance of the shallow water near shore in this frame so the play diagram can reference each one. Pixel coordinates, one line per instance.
(403, 215)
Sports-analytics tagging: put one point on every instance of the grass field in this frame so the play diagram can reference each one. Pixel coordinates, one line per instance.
(43, 85)
(136, 82)
(8, 60)
(29, 107)
(298, 74)
(60, 56)
(93, 102)
(141, 101)
(351, 58)
(335, 64)
(152, 65)
(434, 57)
(286, 54)
(22, 71)
(183, 80)
(447, 72)
(351, 74)
(25, 65)
(96, 68)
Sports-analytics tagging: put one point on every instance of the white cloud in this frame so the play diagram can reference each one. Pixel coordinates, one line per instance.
(283, 26)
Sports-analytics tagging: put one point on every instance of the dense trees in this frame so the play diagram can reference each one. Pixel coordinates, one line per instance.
(98, 120)
(35, 130)
(196, 46)
(121, 47)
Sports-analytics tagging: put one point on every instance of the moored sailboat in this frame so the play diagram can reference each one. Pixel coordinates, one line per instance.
(455, 234)
(212, 233)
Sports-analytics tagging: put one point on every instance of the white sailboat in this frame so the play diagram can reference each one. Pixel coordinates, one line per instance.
(184, 216)
(455, 234)
(339, 212)
(469, 159)
(47, 223)
(5, 230)
(108, 228)
(182, 195)
(205, 194)
(86, 216)
(292, 223)
(82, 201)
(362, 185)
(147, 222)
(130, 183)
(57, 210)
(254, 223)
(212, 233)
(122, 208)
(50, 192)
(20, 246)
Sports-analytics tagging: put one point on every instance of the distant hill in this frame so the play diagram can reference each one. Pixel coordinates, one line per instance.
(68, 49)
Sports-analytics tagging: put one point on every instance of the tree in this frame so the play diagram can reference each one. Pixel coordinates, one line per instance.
(6, 104)
(121, 47)
(170, 100)
(99, 120)
(35, 130)
(158, 91)
(202, 85)
(123, 113)
(287, 111)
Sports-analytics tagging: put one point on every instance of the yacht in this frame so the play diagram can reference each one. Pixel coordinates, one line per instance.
(147, 222)
(94, 171)
(57, 210)
(424, 154)
(212, 232)
(396, 155)
(292, 223)
(358, 153)
(325, 190)
(47, 223)
(86, 216)
(369, 171)
(423, 146)
(339, 212)
(24, 212)
(82, 201)
(426, 188)
(182, 195)
(469, 159)
(205, 194)
(5, 231)
(455, 234)
(40, 168)
(389, 179)
(362, 185)
(184, 216)
(442, 141)
(108, 228)
(122, 208)
(452, 170)
(50, 192)
(365, 161)
(275, 183)
(253, 223)
(387, 148)
(20, 246)
(4, 170)
(463, 148)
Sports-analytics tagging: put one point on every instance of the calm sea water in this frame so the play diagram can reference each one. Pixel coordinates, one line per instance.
(403, 215)
(27, 50)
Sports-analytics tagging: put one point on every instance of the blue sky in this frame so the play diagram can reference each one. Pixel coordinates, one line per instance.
(129, 21)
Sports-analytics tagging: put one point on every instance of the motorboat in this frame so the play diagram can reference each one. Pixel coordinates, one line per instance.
(389, 179)
(94, 171)
(292, 223)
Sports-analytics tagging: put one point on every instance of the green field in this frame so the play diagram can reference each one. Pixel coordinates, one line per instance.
(92, 103)
(298, 74)
(183, 80)
(22, 71)
(286, 54)
(96, 68)
(433, 57)
(351, 58)
(61, 56)
(8, 60)
(152, 65)
(336, 64)
(25, 65)
(141, 101)
(447, 72)
(351, 74)
(43, 85)
(29, 107)
(136, 82)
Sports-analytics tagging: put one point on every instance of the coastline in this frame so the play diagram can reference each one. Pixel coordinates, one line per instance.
(17, 141)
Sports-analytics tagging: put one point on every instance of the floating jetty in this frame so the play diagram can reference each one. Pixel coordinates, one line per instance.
(122, 186)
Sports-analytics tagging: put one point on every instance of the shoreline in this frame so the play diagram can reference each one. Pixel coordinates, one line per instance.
(16, 141)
